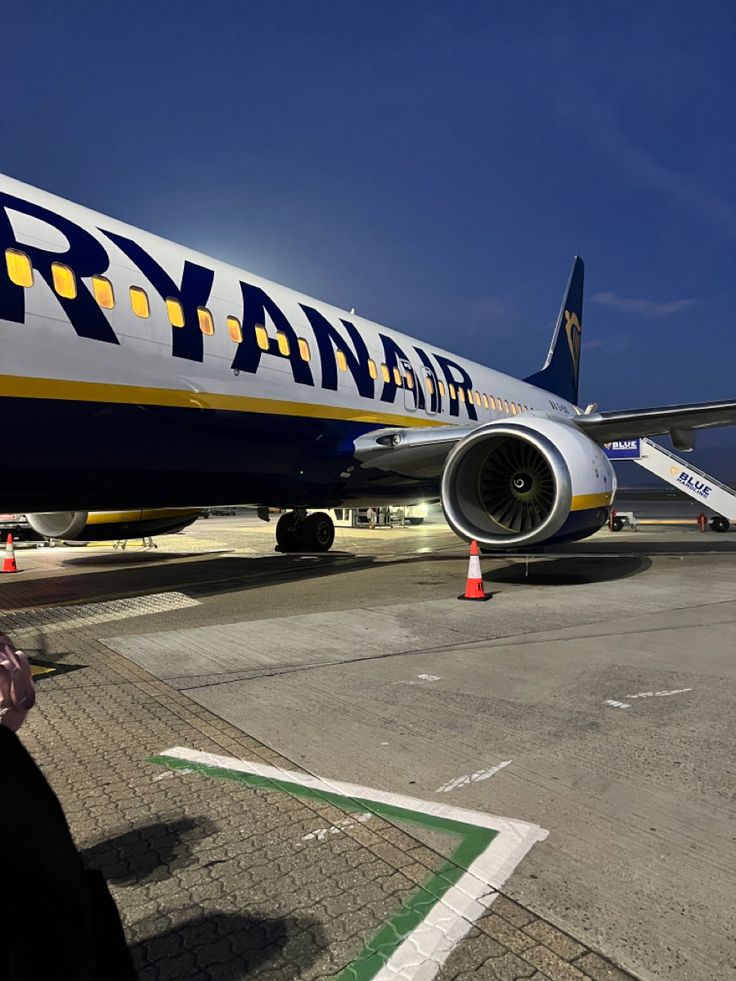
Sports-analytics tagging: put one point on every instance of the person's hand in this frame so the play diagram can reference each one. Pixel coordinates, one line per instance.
(17, 691)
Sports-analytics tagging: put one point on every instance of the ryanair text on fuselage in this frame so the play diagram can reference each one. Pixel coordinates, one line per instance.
(88, 256)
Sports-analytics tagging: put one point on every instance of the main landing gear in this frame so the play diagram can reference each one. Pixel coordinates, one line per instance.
(297, 531)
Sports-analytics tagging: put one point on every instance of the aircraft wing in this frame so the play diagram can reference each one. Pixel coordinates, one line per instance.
(678, 420)
(422, 452)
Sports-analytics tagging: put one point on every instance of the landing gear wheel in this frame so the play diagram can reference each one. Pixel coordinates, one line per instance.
(317, 532)
(288, 533)
(617, 524)
(719, 523)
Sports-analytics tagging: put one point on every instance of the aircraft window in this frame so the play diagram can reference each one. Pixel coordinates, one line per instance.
(397, 377)
(477, 397)
(139, 302)
(372, 368)
(175, 311)
(342, 361)
(430, 384)
(385, 373)
(409, 379)
(506, 406)
(526, 408)
(206, 323)
(102, 288)
(513, 408)
(235, 330)
(20, 270)
(485, 401)
(452, 391)
(65, 282)
(492, 402)
(469, 395)
(261, 337)
(442, 388)
(304, 353)
(461, 394)
(283, 342)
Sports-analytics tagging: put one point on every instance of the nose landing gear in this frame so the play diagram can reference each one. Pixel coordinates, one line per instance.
(297, 531)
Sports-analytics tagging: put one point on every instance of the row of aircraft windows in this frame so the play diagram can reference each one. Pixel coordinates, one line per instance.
(20, 272)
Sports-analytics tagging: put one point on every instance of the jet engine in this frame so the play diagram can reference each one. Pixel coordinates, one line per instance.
(512, 484)
(97, 526)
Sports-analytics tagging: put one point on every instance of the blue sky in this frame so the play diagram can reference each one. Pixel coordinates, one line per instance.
(435, 165)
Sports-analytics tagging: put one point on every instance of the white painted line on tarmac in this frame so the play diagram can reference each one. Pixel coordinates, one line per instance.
(423, 952)
(614, 703)
(659, 694)
(471, 778)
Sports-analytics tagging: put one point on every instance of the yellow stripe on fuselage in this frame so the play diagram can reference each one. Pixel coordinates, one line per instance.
(582, 502)
(13, 386)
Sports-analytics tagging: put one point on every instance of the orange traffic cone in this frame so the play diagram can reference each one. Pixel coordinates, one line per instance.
(474, 587)
(9, 563)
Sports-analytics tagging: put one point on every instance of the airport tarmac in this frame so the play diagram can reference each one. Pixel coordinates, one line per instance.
(588, 705)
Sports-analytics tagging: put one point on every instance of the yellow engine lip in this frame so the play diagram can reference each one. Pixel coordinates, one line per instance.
(118, 517)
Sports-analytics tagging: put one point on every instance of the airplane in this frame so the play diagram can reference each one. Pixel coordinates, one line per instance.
(141, 375)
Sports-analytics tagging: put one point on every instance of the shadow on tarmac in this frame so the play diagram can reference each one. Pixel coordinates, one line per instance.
(200, 576)
(205, 574)
(570, 571)
(229, 946)
(150, 852)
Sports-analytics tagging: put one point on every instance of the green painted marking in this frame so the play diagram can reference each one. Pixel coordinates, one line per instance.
(473, 842)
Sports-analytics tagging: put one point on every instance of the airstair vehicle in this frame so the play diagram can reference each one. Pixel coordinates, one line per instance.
(673, 470)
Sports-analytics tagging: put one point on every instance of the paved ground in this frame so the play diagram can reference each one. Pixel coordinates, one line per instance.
(592, 697)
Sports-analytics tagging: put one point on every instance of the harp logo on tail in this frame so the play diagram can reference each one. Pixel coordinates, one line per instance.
(573, 331)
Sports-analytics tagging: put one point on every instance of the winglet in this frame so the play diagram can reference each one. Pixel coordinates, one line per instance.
(561, 370)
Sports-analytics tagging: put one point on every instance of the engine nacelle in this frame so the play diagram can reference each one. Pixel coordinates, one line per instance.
(99, 526)
(510, 484)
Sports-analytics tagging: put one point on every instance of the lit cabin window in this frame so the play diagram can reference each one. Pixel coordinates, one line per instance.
(139, 302)
(65, 282)
(304, 353)
(506, 406)
(283, 343)
(342, 361)
(397, 378)
(102, 289)
(261, 337)
(385, 373)
(470, 395)
(452, 391)
(442, 388)
(206, 323)
(513, 408)
(477, 398)
(526, 408)
(235, 330)
(372, 368)
(430, 384)
(20, 270)
(461, 394)
(485, 401)
(175, 311)
(492, 402)
(409, 379)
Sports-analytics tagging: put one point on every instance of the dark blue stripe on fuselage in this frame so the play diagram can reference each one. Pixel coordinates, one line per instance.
(62, 455)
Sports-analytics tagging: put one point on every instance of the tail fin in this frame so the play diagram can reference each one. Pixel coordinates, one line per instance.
(561, 370)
